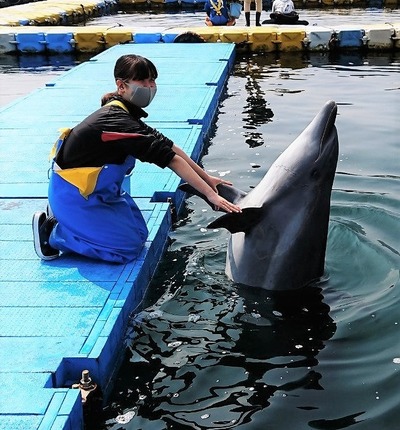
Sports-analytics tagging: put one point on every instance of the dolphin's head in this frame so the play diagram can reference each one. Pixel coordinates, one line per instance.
(319, 141)
(308, 163)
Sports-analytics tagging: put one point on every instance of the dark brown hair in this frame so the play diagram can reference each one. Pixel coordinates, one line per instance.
(133, 67)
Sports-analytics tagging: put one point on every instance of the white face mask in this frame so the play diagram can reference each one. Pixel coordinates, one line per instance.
(141, 96)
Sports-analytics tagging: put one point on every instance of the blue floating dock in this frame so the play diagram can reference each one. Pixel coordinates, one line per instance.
(61, 317)
(61, 39)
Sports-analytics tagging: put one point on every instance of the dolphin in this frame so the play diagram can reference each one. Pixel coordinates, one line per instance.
(278, 241)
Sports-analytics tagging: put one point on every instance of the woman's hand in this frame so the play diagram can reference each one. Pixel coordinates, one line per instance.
(212, 181)
(202, 182)
(223, 204)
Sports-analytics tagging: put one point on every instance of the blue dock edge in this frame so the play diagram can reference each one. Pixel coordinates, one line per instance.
(61, 317)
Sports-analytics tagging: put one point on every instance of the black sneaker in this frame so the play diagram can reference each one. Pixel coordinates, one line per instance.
(49, 212)
(42, 227)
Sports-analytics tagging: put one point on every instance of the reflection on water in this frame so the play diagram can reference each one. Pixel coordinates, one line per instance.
(212, 355)
(39, 62)
(255, 111)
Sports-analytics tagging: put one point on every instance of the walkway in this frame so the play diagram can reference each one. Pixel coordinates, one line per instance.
(60, 317)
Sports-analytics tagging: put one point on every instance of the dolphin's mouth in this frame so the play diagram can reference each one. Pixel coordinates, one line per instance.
(329, 133)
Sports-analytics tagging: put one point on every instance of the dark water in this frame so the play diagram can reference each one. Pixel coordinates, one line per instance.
(205, 353)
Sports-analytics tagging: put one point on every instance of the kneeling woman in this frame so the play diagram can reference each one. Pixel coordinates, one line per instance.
(218, 13)
(91, 214)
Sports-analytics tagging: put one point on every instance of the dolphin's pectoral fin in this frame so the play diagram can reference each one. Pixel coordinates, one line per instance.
(228, 192)
(237, 222)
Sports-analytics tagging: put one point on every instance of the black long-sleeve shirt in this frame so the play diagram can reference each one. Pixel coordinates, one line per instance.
(109, 135)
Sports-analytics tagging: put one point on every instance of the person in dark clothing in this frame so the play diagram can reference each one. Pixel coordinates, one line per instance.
(247, 4)
(283, 12)
(89, 212)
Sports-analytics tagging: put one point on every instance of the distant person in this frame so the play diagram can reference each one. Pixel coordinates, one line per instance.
(246, 8)
(218, 13)
(189, 37)
(283, 12)
(89, 212)
(283, 8)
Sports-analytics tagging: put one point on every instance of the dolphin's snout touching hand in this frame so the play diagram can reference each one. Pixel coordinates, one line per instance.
(219, 203)
(214, 182)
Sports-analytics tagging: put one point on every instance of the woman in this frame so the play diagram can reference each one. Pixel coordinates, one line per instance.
(247, 4)
(92, 215)
(283, 12)
(218, 13)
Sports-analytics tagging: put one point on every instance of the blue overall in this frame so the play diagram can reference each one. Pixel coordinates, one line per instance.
(217, 12)
(104, 223)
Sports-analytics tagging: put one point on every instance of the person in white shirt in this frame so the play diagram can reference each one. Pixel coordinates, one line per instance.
(283, 6)
(283, 12)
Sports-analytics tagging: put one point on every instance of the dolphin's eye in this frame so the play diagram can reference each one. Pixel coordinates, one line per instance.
(315, 173)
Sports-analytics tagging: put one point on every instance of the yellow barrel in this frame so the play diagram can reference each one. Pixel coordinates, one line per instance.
(235, 35)
(116, 36)
(157, 3)
(89, 39)
(290, 39)
(263, 39)
(390, 3)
